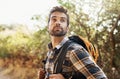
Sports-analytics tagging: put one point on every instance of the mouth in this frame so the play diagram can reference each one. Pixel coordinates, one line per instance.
(57, 28)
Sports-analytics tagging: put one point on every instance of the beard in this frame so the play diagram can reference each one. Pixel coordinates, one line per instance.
(58, 32)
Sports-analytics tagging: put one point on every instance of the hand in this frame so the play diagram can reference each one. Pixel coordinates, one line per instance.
(41, 73)
(56, 76)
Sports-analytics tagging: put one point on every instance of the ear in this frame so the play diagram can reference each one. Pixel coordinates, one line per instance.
(67, 28)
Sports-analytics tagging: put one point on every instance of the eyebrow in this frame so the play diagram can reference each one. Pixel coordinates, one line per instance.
(60, 17)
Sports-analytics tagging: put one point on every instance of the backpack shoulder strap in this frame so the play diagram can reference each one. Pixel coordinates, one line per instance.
(61, 57)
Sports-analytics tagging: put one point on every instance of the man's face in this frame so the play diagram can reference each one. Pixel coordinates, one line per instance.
(57, 25)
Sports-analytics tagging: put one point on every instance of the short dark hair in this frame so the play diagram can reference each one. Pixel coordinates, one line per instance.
(59, 9)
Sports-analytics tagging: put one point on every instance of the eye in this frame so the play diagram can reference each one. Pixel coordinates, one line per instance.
(54, 19)
(62, 20)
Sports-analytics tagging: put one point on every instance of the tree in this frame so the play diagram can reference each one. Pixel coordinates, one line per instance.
(100, 24)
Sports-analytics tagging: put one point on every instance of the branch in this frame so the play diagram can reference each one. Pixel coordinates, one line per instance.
(115, 25)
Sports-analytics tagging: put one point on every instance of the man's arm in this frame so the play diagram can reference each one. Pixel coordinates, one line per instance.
(83, 62)
(56, 76)
(41, 73)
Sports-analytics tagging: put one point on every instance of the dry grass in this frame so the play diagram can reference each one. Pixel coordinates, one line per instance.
(19, 68)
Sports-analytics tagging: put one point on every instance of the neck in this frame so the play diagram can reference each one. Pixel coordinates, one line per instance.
(56, 40)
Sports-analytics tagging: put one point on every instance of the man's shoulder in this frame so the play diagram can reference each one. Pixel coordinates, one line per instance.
(73, 47)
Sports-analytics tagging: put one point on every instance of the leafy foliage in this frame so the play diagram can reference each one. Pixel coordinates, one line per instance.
(22, 50)
(100, 24)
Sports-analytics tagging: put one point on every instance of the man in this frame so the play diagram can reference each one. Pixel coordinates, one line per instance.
(76, 59)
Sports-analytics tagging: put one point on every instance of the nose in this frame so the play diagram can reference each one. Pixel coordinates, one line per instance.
(58, 23)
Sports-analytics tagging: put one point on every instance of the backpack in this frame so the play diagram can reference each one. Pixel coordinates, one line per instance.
(92, 50)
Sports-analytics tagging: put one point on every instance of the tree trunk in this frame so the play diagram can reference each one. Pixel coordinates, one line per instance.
(112, 39)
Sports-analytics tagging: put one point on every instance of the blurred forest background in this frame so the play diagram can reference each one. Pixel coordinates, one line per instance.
(21, 51)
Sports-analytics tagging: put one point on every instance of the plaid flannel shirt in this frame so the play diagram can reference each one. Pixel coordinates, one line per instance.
(77, 59)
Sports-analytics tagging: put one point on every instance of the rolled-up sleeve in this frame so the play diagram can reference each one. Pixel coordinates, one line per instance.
(83, 63)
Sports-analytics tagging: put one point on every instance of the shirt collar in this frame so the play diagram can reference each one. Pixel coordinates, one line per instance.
(59, 45)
